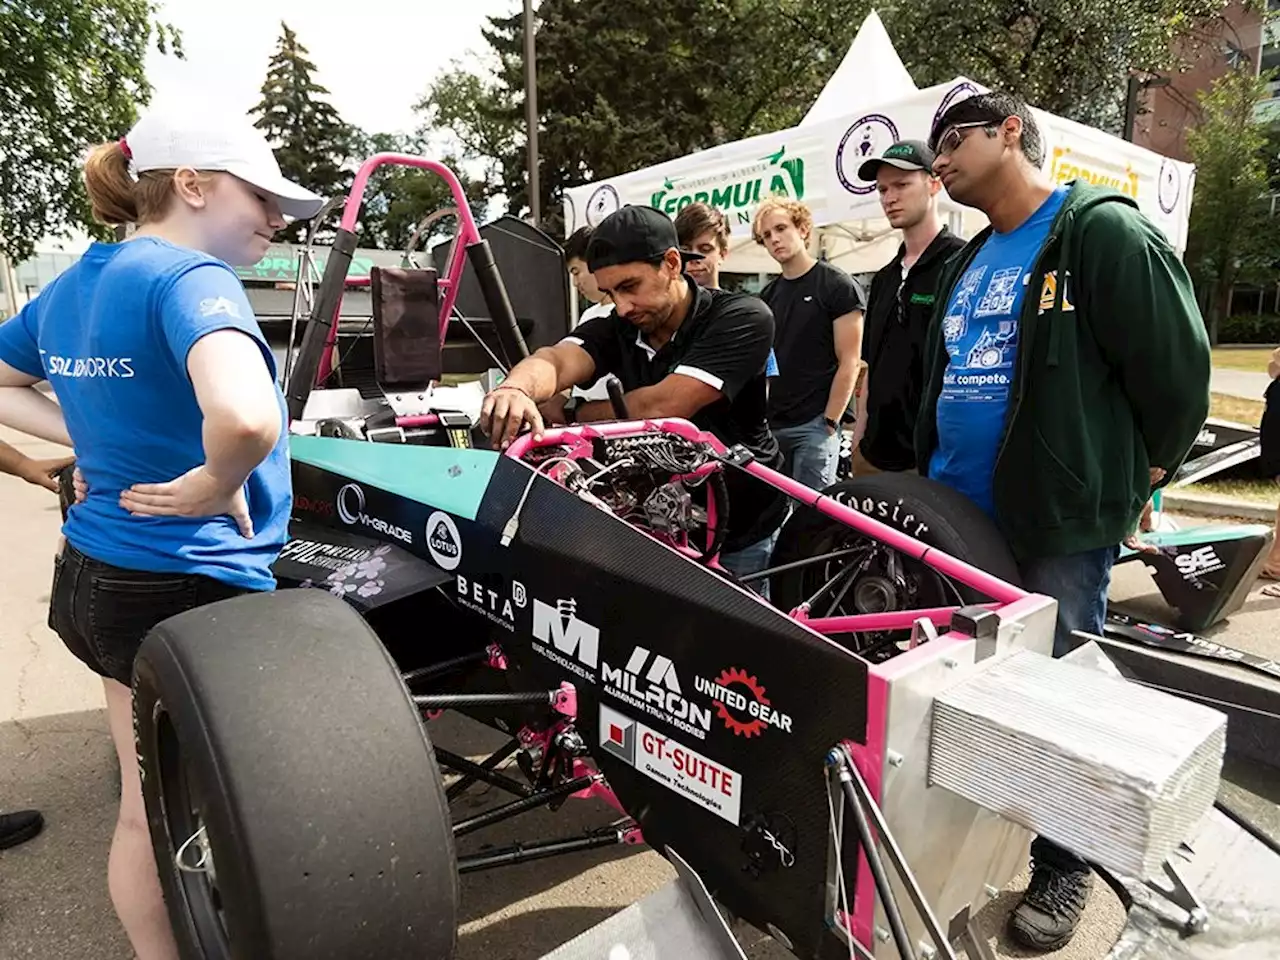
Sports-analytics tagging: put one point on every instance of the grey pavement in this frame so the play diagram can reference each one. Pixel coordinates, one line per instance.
(55, 754)
(1241, 383)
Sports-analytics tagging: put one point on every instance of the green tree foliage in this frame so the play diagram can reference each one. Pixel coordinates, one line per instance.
(71, 75)
(1232, 235)
(312, 143)
(622, 86)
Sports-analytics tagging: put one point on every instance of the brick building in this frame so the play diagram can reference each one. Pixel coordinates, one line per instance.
(1166, 112)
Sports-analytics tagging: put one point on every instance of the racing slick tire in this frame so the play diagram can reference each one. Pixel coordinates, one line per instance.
(929, 511)
(292, 793)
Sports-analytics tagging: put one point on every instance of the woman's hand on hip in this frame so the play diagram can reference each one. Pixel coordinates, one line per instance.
(197, 493)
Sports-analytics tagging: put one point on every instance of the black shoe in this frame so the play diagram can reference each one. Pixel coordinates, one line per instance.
(1047, 916)
(16, 828)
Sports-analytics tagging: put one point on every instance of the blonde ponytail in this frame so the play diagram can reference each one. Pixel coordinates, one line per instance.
(111, 189)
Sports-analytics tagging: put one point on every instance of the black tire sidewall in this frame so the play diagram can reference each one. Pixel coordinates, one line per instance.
(924, 509)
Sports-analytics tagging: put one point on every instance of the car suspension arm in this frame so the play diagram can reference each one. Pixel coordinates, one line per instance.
(522, 852)
(522, 805)
(459, 787)
(477, 771)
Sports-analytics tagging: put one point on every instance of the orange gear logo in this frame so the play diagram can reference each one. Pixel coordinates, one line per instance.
(741, 728)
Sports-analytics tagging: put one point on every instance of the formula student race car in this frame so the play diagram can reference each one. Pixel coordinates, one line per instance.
(854, 766)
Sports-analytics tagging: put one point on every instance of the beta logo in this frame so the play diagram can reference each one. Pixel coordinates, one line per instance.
(443, 541)
(742, 704)
(1198, 562)
(500, 608)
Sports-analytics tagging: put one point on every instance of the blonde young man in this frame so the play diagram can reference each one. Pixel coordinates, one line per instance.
(817, 310)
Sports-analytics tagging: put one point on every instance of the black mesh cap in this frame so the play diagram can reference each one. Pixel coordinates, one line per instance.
(633, 234)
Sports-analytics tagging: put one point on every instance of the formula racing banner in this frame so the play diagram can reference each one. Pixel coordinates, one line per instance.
(819, 164)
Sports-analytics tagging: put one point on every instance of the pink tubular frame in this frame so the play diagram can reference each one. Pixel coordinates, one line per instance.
(999, 591)
(468, 233)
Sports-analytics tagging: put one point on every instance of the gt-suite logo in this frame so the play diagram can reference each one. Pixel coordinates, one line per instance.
(565, 639)
(350, 503)
(656, 691)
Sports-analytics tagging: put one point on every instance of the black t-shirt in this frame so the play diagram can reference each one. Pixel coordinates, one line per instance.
(805, 310)
(724, 341)
(898, 317)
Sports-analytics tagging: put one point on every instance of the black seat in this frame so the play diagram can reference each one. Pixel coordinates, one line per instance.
(406, 328)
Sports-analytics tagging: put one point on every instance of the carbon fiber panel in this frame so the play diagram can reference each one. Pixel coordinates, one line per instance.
(710, 712)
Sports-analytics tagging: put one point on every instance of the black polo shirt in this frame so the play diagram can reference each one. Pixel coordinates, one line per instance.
(724, 341)
(898, 315)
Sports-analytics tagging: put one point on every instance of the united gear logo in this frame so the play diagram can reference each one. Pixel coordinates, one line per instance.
(741, 702)
(867, 138)
(443, 540)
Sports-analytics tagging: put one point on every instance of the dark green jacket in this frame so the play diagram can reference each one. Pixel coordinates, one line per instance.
(1111, 378)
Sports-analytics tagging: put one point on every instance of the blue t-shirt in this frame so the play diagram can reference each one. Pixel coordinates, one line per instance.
(111, 334)
(980, 332)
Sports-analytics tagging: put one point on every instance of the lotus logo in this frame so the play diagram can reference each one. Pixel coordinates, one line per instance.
(443, 540)
(351, 510)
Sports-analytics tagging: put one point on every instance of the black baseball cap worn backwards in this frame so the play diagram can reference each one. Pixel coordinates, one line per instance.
(905, 155)
(633, 234)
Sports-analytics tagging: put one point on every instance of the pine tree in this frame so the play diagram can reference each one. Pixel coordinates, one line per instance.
(312, 142)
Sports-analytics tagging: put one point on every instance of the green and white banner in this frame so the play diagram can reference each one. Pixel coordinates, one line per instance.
(819, 164)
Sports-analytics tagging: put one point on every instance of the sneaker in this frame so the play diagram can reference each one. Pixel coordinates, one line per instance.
(1049, 911)
(16, 828)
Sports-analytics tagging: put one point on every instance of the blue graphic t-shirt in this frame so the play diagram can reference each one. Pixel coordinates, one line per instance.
(980, 333)
(111, 334)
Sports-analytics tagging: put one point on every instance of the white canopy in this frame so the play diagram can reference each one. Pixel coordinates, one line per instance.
(818, 162)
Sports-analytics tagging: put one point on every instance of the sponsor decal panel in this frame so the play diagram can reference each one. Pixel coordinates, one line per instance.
(497, 606)
(1198, 563)
(565, 639)
(649, 683)
(742, 703)
(666, 761)
(443, 540)
(350, 504)
(328, 556)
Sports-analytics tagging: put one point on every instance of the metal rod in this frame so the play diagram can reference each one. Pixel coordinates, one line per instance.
(523, 805)
(476, 771)
(459, 787)
(444, 666)
(447, 701)
(531, 112)
(872, 853)
(796, 565)
(520, 853)
(899, 862)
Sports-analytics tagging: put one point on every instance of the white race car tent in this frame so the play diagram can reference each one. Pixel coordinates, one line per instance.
(818, 162)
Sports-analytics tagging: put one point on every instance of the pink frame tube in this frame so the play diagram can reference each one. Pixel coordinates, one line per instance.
(468, 233)
(948, 566)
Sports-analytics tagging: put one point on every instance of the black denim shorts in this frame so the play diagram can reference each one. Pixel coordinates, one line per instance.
(102, 612)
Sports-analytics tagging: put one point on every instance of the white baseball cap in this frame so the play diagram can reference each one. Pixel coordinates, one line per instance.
(207, 140)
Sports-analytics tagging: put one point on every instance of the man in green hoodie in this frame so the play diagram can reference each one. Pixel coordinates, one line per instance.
(1066, 376)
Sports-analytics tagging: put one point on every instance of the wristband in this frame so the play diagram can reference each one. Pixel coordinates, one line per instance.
(512, 386)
